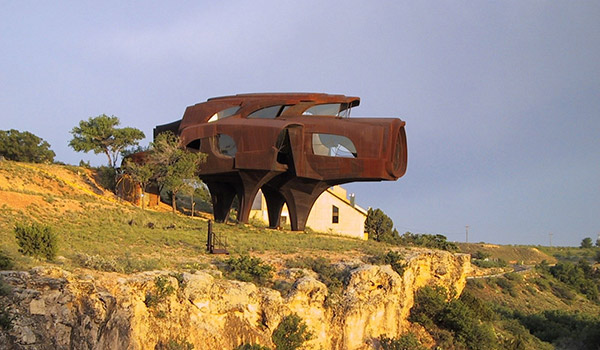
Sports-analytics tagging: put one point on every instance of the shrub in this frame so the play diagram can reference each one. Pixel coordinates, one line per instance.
(476, 282)
(461, 317)
(331, 276)
(480, 255)
(569, 330)
(489, 263)
(5, 318)
(174, 344)
(107, 177)
(407, 341)
(513, 276)
(436, 241)
(291, 333)
(248, 269)
(393, 258)
(162, 289)
(5, 261)
(97, 262)
(4, 288)
(36, 240)
(252, 347)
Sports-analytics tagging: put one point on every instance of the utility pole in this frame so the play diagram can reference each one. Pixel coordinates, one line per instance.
(467, 233)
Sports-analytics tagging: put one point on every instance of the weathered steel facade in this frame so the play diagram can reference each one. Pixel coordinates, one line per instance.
(293, 146)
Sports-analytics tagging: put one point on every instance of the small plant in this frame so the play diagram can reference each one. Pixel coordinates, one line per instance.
(407, 341)
(291, 333)
(180, 280)
(331, 276)
(174, 344)
(36, 240)
(5, 318)
(252, 347)
(4, 288)
(97, 262)
(162, 289)
(248, 269)
(393, 258)
(5, 261)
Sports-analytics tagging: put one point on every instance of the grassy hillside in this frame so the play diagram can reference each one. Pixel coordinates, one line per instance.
(509, 253)
(533, 309)
(97, 230)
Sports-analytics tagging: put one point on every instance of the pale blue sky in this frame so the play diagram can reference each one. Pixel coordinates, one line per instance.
(501, 99)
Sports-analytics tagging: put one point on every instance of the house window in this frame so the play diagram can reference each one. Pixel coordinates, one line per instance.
(224, 114)
(331, 145)
(227, 145)
(335, 215)
(268, 112)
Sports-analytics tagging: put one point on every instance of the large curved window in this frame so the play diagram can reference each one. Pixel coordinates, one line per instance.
(226, 145)
(228, 112)
(333, 146)
(335, 109)
(268, 112)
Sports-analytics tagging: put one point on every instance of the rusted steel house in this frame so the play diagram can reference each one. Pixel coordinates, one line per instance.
(292, 146)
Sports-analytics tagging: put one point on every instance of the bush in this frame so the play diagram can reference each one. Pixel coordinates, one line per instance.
(162, 289)
(436, 241)
(4, 288)
(97, 262)
(5, 318)
(36, 240)
(489, 263)
(566, 329)
(5, 261)
(252, 347)
(393, 258)
(407, 341)
(291, 333)
(331, 276)
(513, 276)
(461, 317)
(174, 344)
(248, 269)
(107, 177)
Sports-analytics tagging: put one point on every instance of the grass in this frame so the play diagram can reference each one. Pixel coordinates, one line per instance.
(100, 233)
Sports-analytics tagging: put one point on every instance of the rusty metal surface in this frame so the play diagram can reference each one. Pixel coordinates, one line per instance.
(278, 154)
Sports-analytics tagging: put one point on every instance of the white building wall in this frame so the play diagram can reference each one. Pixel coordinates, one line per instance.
(351, 219)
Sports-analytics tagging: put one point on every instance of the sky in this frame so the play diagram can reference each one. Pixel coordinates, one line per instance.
(501, 99)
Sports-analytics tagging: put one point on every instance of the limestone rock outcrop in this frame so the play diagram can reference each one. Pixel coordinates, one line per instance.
(54, 309)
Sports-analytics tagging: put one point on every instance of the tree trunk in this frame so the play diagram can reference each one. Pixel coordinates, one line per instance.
(110, 163)
(142, 197)
(174, 202)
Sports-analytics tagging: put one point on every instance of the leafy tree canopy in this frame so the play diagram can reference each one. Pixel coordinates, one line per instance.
(174, 167)
(586, 243)
(379, 226)
(24, 147)
(101, 135)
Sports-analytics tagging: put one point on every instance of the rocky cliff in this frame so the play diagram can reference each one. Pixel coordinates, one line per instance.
(55, 309)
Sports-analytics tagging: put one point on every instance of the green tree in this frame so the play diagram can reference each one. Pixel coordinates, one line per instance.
(24, 147)
(140, 173)
(36, 240)
(101, 135)
(175, 168)
(586, 243)
(379, 226)
(291, 333)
